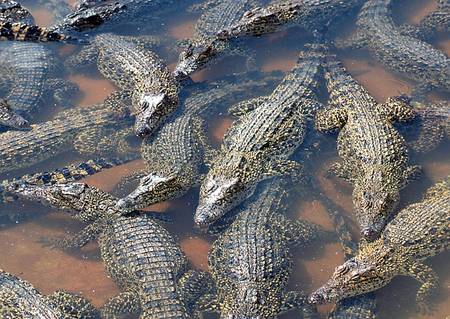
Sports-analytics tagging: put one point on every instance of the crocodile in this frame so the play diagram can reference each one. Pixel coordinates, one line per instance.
(376, 164)
(32, 69)
(125, 62)
(399, 52)
(63, 175)
(176, 154)
(205, 45)
(431, 24)
(92, 14)
(311, 15)
(89, 130)
(419, 231)
(259, 143)
(251, 262)
(12, 11)
(10, 119)
(19, 299)
(139, 254)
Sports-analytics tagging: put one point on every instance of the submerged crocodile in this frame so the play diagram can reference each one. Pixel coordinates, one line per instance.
(31, 69)
(401, 53)
(309, 14)
(139, 254)
(376, 164)
(205, 46)
(259, 143)
(251, 262)
(69, 173)
(175, 155)
(19, 299)
(419, 231)
(91, 14)
(90, 130)
(125, 62)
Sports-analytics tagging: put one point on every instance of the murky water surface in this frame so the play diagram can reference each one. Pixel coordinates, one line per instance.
(82, 271)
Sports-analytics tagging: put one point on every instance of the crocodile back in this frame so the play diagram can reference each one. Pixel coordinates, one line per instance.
(19, 299)
(24, 148)
(31, 64)
(423, 229)
(278, 125)
(142, 256)
(402, 53)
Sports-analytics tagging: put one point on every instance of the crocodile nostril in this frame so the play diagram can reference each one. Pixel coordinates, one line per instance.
(369, 233)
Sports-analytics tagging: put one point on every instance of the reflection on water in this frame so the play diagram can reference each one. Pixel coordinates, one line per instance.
(82, 270)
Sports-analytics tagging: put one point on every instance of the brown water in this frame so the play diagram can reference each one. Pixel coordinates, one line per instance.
(82, 271)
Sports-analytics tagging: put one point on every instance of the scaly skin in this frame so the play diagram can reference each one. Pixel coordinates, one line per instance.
(139, 254)
(309, 14)
(436, 21)
(251, 262)
(19, 299)
(401, 53)
(419, 231)
(258, 145)
(11, 11)
(10, 119)
(205, 45)
(89, 129)
(376, 164)
(175, 155)
(31, 69)
(131, 67)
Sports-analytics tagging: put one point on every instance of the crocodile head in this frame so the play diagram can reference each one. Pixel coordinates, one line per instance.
(11, 119)
(369, 270)
(152, 108)
(375, 196)
(228, 183)
(66, 196)
(194, 57)
(152, 189)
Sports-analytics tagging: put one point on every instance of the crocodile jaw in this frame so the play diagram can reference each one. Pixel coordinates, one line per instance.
(152, 108)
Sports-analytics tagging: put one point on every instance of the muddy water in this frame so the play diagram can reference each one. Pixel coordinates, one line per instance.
(82, 270)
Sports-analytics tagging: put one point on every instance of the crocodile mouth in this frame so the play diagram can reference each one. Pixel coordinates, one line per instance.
(207, 214)
(324, 294)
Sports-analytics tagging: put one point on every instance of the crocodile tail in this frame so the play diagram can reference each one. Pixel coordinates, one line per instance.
(24, 32)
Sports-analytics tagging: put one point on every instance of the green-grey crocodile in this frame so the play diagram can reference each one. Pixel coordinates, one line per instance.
(374, 154)
(92, 129)
(251, 262)
(31, 69)
(139, 254)
(399, 52)
(125, 61)
(69, 173)
(19, 299)
(419, 231)
(258, 145)
(175, 155)
(205, 46)
(311, 15)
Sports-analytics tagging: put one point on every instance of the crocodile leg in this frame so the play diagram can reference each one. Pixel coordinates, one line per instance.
(245, 107)
(398, 109)
(87, 234)
(429, 283)
(125, 302)
(357, 40)
(298, 232)
(411, 173)
(62, 90)
(72, 305)
(330, 119)
(341, 170)
(193, 285)
(297, 300)
(280, 167)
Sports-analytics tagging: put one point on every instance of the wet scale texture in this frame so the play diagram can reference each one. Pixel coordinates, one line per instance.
(82, 271)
